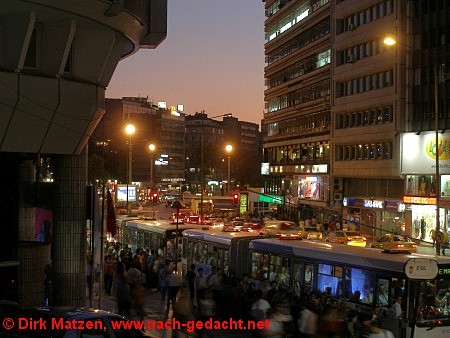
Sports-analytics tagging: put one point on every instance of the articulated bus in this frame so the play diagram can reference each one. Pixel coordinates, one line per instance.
(376, 277)
(152, 234)
(208, 248)
(367, 278)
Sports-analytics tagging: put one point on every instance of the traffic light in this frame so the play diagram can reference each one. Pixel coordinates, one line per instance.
(235, 198)
(155, 197)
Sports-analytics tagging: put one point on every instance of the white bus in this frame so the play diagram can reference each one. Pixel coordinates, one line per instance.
(207, 248)
(152, 234)
(377, 276)
(346, 271)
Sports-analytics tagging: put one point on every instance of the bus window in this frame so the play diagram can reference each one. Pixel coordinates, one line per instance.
(303, 275)
(279, 270)
(259, 266)
(382, 292)
(359, 284)
(434, 302)
(330, 276)
(222, 259)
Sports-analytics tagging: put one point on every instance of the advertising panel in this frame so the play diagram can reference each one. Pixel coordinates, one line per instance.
(121, 193)
(419, 153)
(309, 188)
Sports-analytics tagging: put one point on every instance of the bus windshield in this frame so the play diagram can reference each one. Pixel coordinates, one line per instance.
(434, 303)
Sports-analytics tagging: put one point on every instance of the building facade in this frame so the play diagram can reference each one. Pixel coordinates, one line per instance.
(297, 119)
(206, 140)
(56, 59)
(154, 125)
(382, 102)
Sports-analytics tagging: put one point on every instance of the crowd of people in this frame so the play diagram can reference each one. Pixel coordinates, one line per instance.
(215, 294)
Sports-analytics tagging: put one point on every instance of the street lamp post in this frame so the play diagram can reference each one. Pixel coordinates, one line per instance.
(229, 149)
(202, 168)
(392, 41)
(129, 130)
(152, 148)
(438, 179)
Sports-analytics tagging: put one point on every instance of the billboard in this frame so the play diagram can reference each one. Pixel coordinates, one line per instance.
(418, 154)
(121, 193)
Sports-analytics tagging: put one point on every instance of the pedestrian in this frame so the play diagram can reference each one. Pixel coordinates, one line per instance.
(174, 283)
(371, 331)
(109, 273)
(139, 299)
(201, 285)
(307, 322)
(190, 281)
(260, 307)
(122, 291)
(445, 243)
(163, 282)
(133, 276)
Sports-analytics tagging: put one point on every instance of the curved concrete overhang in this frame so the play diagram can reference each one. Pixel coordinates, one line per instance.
(56, 59)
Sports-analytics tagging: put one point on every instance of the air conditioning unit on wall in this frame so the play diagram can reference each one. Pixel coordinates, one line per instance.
(337, 196)
(337, 184)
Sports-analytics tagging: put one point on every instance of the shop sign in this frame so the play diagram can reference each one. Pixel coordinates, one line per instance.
(421, 268)
(419, 200)
(375, 204)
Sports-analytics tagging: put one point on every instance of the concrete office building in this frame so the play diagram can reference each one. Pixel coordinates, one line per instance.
(154, 125)
(297, 121)
(382, 104)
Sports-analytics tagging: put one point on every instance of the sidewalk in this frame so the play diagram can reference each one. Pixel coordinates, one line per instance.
(152, 309)
(184, 313)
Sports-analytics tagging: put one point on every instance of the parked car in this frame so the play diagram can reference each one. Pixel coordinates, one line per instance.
(352, 238)
(395, 243)
(67, 324)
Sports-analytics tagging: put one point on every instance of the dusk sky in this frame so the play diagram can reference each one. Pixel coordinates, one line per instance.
(212, 60)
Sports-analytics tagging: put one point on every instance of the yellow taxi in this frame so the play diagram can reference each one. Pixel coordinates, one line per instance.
(352, 238)
(395, 243)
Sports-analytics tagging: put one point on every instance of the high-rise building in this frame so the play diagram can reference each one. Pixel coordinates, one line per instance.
(206, 141)
(297, 121)
(154, 125)
(352, 123)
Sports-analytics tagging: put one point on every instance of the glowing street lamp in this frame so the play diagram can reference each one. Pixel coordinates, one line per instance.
(390, 41)
(152, 148)
(229, 149)
(130, 129)
(202, 168)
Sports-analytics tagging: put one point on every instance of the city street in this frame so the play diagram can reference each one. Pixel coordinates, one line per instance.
(160, 211)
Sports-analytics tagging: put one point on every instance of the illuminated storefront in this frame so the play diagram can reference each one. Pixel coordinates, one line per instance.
(374, 217)
(418, 164)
